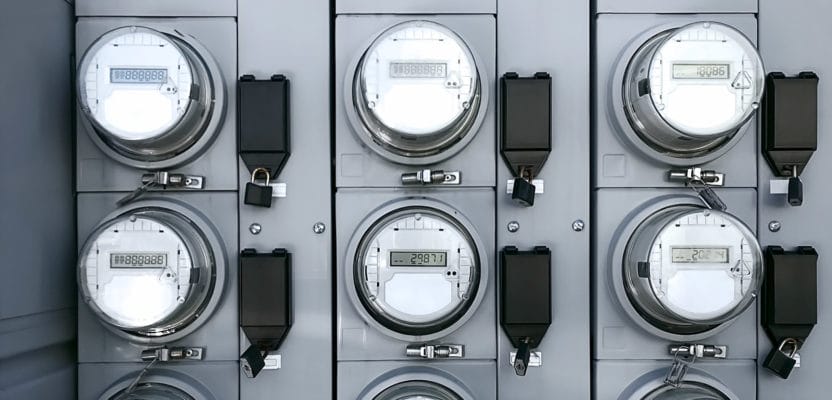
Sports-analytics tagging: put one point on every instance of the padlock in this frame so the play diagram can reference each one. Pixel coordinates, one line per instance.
(257, 195)
(781, 363)
(522, 192)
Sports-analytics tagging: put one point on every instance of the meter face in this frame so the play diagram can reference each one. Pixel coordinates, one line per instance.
(417, 270)
(417, 89)
(153, 391)
(702, 266)
(141, 271)
(687, 391)
(417, 390)
(136, 83)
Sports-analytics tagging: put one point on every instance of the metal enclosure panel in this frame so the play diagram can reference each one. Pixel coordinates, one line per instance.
(218, 334)
(97, 172)
(616, 336)
(615, 162)
(612, 378)
(675, 7)
(358, 340)
(415, 7)
(525, 28)
(291, 38)
(476, 377)
(156, 8)
(789, 42)
(358, 166)
(218, 379)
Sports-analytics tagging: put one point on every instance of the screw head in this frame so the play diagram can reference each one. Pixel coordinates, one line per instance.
(513, 226)
(319, 228)
(578, 225)
(255, 228)
(774, 226)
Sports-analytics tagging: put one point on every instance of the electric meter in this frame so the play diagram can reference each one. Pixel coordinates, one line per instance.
(148, 272)
(687, 269)
(147, 95)
(418, 270)
(416, 91)
(152, 391)
(689, 90)
(417, 390)
(687, 391)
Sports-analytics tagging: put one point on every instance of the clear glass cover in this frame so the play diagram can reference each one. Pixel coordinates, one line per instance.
(153, 391)
(417, 390)
(706, 78)
(146, 271)
(703, 267)
(136, 84)
(687, 391)
(417, 88)
(417, 271)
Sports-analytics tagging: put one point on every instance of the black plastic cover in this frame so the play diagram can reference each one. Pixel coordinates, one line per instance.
(263, 122)
(790, 121)
(526, 294)
(526, 121)
(266, 297)
(789, 297)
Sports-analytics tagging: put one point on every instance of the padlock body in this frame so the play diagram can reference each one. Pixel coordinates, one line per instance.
(779, 363)
(523, 192)
(258, 195)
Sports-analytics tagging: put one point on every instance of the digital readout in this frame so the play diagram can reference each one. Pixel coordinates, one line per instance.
(418, 258)
(138, 260)
(418, 70)
(699, 254)
(701, 71)
(138, 75)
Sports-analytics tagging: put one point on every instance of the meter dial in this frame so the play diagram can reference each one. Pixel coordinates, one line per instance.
(687, 269)
(147, 95)
(417, 390)
(152, 391)
(148, 272)
(418, 271)
(687, 391)
(690, 90)
(417, 93)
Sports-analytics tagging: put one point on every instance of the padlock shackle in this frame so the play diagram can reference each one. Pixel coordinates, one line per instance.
(263, 170)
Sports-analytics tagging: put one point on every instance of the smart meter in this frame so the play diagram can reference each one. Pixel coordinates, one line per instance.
(416, 91)
(148, 95)
(418, 270)
(687, 269)
(687, 391)
(152, 391)
(417, 390)
(148, 272)
(688, 91)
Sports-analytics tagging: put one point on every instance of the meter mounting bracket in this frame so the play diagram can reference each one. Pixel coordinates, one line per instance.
(263, 123)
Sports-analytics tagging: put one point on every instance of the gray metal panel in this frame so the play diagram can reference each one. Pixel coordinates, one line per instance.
(415, 7)
(525, 27)
(615, 162)
(219, 333)
(677, 6)
(291, 38)
(616, 335)
(614, 377)
(477, 377)
(97, 172)
(357, 340)
(791, 39)
(156, 8)
(358, 166)
(218, 379)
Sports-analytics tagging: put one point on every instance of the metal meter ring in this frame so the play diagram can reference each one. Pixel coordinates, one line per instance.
(697, 385)
(414, 381)
(382, 279)
(133, 82)
(426, 84)
(649, 128)
(669, 254)
(162, 382)
(158, 248)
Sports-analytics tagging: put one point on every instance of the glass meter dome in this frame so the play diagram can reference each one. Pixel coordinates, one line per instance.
(152, 391)
(416, 91)
(147, 95)
(417, 271)
(417, 390)
(687, 269)
(688, 91)
(149, 272)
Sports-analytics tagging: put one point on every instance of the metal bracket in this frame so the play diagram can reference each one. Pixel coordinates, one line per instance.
(699, 350)
(430, 351)
(273, 361)
(165, 354)
(538, 186)
(536, 359)
(709, 177)
(430, 177)
(182, 181)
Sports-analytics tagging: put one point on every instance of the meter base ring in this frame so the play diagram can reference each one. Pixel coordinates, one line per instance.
(416, 376)
(652, 384)
(161, 377)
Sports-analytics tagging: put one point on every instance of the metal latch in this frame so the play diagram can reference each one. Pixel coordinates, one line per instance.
(701, 182)
(431, 351)
(164, 180)
(684, 355)
(430, 177)
(535, 360)
(165, 354)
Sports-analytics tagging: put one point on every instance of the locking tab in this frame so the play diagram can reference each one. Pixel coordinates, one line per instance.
(431, 177)
(701, 181)
(166, 354)
(435, 351)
